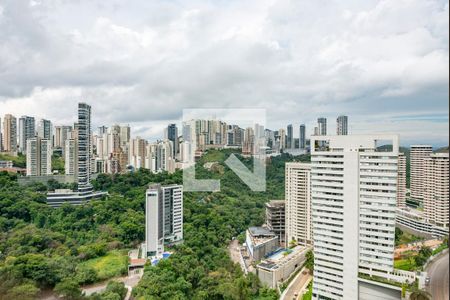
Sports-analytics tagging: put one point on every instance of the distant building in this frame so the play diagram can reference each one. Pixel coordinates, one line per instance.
(401, 181)
(84, 146)
(290, 137)
(418, 155)
(436, 189)
(302, 137)
(172, 135)
(342, 125)
(248, 147)
(45, 129)
(298, 203)
(62, 133)
(39, 157)
(6, 164)
(27, 130)
(322, 126)
(71, 157)
(281, 139)
(260, 242)
(163, 217)
(9, 133)
(275, 218)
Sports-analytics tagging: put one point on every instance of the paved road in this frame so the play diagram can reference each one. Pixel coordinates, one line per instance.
(438, 272)
(297, 285)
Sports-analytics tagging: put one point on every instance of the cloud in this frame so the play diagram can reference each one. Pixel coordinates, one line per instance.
(144, 63)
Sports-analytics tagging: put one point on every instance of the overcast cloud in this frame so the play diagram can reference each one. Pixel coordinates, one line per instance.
(382, 63)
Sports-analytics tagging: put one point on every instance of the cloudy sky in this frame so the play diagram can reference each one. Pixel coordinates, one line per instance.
(382, 63)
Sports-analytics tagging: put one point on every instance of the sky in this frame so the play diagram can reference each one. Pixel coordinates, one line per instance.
(141, 62)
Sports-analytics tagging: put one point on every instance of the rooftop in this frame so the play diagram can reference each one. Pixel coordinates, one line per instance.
(275, 203)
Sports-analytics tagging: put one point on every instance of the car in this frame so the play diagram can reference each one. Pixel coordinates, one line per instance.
(427, 281)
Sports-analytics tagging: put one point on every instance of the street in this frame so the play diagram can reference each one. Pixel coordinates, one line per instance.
(438, 272)
(298, 283)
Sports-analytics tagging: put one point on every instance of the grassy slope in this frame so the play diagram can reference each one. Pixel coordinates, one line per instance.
(113, 264)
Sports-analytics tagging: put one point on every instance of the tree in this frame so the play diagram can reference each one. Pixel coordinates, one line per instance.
(68, 289)
(420, 295)
(25, 291)
(309, 263)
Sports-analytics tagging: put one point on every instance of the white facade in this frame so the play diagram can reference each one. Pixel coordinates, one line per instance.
(163, 217)
(354, 191)
(419, 153)
(436, 191)
(401, 181)
(70, 155)
(298, 224)
(39, 157)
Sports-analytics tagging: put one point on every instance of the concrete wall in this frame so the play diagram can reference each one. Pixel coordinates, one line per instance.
(369, 291)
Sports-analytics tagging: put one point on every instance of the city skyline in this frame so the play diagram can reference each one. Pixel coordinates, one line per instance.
(135, 66)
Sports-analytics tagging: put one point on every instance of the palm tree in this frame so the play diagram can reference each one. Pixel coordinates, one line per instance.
(420, 295)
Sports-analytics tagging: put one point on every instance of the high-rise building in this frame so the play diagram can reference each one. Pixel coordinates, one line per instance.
(302, 137)
(27, 130)
(298, 203)
(281, 139)
(401, 181)
(418, 155)
(124, 136)
(45, 129)
(102, 130)
(39, 157)
(159, 157)
(172, 135)
(342, 125)
(276, 218)
(290, 137)
(1, 136)
(9, 133)
(248, 146)
(71, 157)
(322, 126)
(354, 191)
(84, 148)
(163, 217)
(62, 133)
(137, 152)
(435, 189)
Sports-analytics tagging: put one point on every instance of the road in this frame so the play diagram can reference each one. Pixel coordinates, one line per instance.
(297, 285)
(438, 272)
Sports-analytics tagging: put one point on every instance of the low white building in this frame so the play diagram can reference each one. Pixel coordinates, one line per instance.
(278, 267)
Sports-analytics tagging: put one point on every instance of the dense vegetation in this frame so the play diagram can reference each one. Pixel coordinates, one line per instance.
(43, 248)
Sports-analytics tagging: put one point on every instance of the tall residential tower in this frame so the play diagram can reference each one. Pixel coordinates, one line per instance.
(354, 191)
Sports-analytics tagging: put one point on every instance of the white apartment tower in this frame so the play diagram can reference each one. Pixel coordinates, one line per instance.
(435, 192)
(298, 203)
(342, 125)
(354, 191)
(39, 157)
(71, 157)
(419, 153)
(163, 217)
(401, 181)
